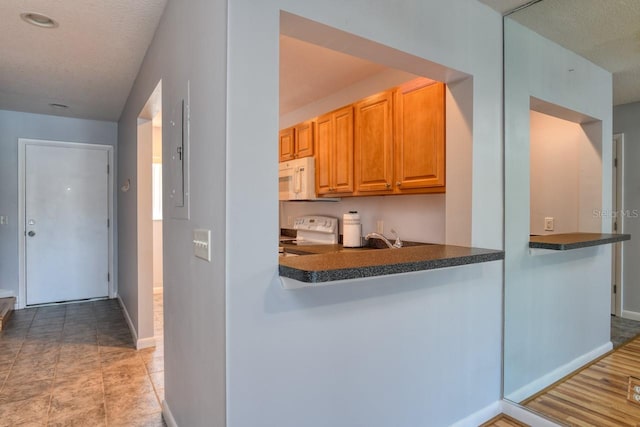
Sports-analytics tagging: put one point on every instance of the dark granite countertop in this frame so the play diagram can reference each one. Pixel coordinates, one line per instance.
(567, 241)
(326, 263)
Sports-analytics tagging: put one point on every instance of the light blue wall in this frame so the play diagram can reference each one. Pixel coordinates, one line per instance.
(241, 351)
(557, 306)
(14, 125)
(189, 46)
(626, 120)
(394, 350)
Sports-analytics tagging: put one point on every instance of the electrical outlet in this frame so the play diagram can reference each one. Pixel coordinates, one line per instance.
(380, 226)
(633, 390)
(548, 223)
(4, 220)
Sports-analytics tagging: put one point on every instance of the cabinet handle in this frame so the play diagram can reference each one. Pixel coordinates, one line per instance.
(388, 185)
(398, 184)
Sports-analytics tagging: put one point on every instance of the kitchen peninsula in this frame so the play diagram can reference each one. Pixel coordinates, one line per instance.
(568, 241)
(324, 264)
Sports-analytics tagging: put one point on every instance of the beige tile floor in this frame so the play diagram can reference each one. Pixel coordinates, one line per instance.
(75, 365)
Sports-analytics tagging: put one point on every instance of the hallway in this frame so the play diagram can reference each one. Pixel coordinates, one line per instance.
(76, 365)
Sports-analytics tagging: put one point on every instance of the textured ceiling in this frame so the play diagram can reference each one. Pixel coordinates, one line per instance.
(605, 32)
(504, 6)
(309, 72)
(88, 63)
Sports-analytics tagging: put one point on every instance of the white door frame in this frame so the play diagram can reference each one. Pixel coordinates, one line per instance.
(619, 216)
(22, 144)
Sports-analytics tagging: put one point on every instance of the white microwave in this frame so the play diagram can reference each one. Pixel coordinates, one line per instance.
(297, 179)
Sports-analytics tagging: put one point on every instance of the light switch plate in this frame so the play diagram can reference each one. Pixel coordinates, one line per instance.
(202, 244)
(548, 223)
(4, 220)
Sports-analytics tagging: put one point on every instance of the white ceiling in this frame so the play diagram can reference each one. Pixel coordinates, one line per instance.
(309, 72)
(605, 32)
(88, 63)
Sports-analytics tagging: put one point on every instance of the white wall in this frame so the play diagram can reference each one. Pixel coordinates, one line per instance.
(555, 173)
(625, 120)
(157, 254)
(189, 45)
(419, 218)
(556, 305)
(142, 294)
(157, 200)
(391, 350)
(157, 204)
(383, 80)
(14, 125)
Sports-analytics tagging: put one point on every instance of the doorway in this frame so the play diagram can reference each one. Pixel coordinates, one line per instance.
(149, 221)
(156, 201)
(617, 224)
(65, 205)
(149, 171)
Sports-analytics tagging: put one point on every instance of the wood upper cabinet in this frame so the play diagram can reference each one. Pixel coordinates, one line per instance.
(334, 153)
(419, 148)
(297, 141)
(304, 139)
(373, 145)
(286, 144)
(392, 142)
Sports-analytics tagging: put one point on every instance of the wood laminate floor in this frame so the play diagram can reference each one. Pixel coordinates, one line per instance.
(503, 420)
(76, 365)
(597, 394)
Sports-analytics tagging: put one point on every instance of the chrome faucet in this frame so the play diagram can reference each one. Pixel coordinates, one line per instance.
(396, 245)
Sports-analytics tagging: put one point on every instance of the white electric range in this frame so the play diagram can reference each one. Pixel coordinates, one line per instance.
(313, 230)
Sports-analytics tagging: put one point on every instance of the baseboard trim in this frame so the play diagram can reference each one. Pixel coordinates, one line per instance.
(558, 373)
(479, 417)
(132, 329)
(145, 343)
(6, 293)
(633, 315)
(167, 415)
(140, 342)
(525, 416)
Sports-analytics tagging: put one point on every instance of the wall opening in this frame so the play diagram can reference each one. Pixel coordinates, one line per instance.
(565, 171)
(149, 221)
(323, 69)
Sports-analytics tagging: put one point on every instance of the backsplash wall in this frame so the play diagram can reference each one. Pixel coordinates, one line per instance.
(418, 217)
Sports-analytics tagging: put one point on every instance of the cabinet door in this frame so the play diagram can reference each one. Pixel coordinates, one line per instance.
(334, 153)
(420, 138)
(342, 162)
(373, 144)
(304, 139)
(287, 144)
(324, 141)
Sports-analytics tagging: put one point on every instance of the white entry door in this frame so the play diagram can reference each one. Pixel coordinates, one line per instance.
(66, 213)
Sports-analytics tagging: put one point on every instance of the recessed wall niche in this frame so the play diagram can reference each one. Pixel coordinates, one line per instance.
(565, 170)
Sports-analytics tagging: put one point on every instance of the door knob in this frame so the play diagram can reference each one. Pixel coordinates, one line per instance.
(31, 233)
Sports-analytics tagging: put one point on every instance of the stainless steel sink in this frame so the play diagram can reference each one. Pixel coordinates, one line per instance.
(374, 243)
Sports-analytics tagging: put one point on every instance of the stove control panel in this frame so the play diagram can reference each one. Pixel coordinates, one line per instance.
(316, 230)
(320, 224)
